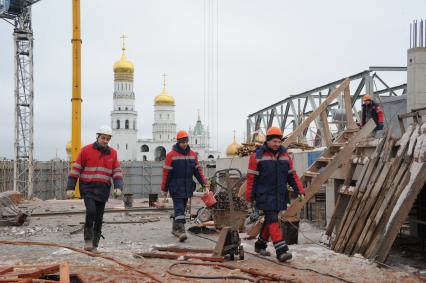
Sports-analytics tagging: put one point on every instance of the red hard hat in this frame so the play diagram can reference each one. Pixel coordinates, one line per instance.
(366, 97)
(181, 134)
(274, 131)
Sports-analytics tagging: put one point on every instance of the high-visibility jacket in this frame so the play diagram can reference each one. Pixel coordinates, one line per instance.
(179, 168)
(267, 177)
(95, 170)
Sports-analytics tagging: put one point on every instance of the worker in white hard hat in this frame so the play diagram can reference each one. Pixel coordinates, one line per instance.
(95, 166)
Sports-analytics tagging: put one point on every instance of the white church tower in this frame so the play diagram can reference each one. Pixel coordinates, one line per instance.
(123, 116)
(164, 126)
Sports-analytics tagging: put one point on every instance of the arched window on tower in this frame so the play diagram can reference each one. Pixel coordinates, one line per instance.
(127, 108)
(160, 116)
(144, 148)
(196, 141)
(118, 124)
(126, 124)
(134, 125)
(126, 146)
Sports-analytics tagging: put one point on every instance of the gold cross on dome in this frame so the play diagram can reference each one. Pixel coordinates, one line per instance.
(123, 37)
(164, 79)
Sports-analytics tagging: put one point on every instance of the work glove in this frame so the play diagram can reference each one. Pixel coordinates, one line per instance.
(300, 197)
(70, 194)
(117, 193)
(254, 215)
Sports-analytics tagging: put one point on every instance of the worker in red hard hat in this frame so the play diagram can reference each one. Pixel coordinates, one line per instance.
(372, 110)
(95, 166)
(270, 170)
(179, 168)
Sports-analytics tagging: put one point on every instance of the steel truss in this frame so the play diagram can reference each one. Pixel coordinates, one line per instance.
(290, 112)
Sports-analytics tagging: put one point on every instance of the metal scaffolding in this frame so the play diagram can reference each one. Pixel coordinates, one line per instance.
(290, 112)
(18, 14)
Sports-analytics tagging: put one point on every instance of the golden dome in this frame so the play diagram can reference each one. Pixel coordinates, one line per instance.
(68, 148)
(123, 65)
(231, 150)
(260, 138)
(164, 98)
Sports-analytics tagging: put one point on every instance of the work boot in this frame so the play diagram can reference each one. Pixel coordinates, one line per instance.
(260, 247)
(88, 239)
(88, 245)
(284, 256)
(175, 229)
(182, 236)
(96, 239)
(281, 249)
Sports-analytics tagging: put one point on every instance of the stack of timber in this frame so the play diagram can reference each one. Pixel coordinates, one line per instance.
(383, 195)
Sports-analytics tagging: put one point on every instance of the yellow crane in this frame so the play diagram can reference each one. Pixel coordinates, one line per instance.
(76, 85)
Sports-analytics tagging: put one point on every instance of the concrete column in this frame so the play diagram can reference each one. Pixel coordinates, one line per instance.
(416, 78)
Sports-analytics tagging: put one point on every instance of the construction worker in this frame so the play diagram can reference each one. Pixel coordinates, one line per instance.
(270, 169)
(95, 166)
(372, 110)
(179, 168)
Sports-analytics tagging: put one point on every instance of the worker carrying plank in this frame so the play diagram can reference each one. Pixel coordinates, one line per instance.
(95, 166)
(372, 110)
(270, 169)
(179, 168)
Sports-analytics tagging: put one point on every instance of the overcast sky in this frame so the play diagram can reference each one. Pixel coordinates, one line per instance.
(267, 51)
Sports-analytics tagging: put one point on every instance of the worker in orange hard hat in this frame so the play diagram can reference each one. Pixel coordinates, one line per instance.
(180, 166)
(372, 110)
(270, 169)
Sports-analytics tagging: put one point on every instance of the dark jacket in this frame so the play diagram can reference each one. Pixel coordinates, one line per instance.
(376, 113)
(179, 168)
(267, 178)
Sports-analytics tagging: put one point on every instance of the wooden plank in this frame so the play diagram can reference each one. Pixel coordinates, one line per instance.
(184, 256)
(361, 223)
(370, 196)
(348, 108)
(332, 223)
(40, 272)
(181, 249)
(4, 270)
(395, 174)
(372, 249)
(338, 245)
(402, 208)
(315, 186)
(326, 128)
(220, 244)
(299, 130)
(64, 272)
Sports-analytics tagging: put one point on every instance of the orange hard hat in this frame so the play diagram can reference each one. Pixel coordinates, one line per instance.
(274, 131)
(181, 134)
(366, 97)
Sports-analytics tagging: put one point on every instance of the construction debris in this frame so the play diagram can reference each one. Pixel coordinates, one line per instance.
(384, 195)
(10, 214)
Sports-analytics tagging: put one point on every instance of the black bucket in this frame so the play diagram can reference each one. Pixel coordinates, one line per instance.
(153, 198)
(128, 200)
(290, 232)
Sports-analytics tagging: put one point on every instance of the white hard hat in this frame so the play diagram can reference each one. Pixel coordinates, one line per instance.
(104, 130)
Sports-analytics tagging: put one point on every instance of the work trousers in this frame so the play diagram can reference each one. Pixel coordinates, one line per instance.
(179, 205)
(271, 229)
(94, 216)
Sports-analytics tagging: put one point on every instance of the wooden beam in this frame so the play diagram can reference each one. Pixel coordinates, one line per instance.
(315, 185)
(299, 130)
(327, 137)
(348, 108)
(402, 208)
(64, 272)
